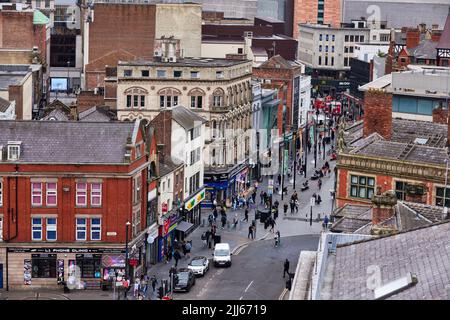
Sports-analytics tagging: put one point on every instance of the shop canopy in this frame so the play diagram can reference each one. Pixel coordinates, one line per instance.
(184, 226)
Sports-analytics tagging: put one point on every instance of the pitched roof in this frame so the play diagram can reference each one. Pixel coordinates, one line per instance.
(56, 115)
(4, 104)
(444, 41)
(68, 142)
(186, 118)
(424, 252)
(277, 62)
(425, 50)
(97, 114)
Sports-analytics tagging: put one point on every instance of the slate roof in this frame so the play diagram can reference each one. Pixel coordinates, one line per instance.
(4, 104)
(425, 50)
(425, 252)
(444, 41)
(97, 114)
(167, 165)
(186, 118)
(56, 115)
(352, 218)
(68, 142)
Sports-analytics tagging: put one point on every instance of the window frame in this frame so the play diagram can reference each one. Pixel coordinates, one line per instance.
(98, 228)
(51, 193)
(358, 185)
(444, 196)
(10, 153)
(1, 192)
(96, 193)
(77, 229)
(77, 194)
(50, 227)
(36, 225)
(39, 193)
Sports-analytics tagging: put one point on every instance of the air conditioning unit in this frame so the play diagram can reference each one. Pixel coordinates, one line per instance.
(173, 59)
(157, 54)
(165, 59)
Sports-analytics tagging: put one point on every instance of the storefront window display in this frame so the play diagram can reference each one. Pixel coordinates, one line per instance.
(43, 265)
(90, 265)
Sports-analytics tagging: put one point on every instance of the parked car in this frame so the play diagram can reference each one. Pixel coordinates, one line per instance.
(184, 280)
(222, 255)
(199, 265)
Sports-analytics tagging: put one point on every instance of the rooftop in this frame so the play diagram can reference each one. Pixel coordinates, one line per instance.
(444, 41)
(58, 142)
(186, 118)
(97, 114)
(424, 252)
(4, 104)
(187, 62)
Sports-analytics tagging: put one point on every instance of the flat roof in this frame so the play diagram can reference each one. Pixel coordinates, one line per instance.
(187, 62)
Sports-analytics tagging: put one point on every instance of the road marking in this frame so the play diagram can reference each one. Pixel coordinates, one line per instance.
(248, 286)
(241, 298)
(281, 297)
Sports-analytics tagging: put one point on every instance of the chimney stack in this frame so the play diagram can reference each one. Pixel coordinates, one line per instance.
(383, 206)
(412, 38)
(378, 113)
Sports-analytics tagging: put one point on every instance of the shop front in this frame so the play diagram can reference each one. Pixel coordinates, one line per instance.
(49, 267)
(151, 252)
(166, 235)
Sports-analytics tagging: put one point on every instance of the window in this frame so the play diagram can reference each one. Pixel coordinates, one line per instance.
(219, 74)
(196, 102)
(177, 74)
(1, 193)
(326, 61)
(129, 97)
(194, 183)
(168, 184)
(168, 97)
(36, 194)
(195, 133)
(400, 190)
(1, 229)
(356, 38)
(161, 73)
(136, 97)
(326, 38)
(361, 38)
(142, 101)
(345, 62)
(137, 189)
(36, 229)
(352, 38)
(345, 49)
(13, 152)
(385, 37)
(195, 74)
(145, 73)
(326, 48)
(136, 222)
(351, 49)
(51, 194)
(217, 101)
(374, 37)
(320, 48)
(332, 61)
(320, 60)
(346, 38)
(195, 156)
(96, 229)
(135, 101)
(440, 196)
(127, 73)
(332, 48)
(163, 186)
(80, 229)
(81, 194)
(362, 187)
(90, 265)
(240, 50)
(333, 37)
(51, 229)
(96, 194)
(43, 265)
(320, 37)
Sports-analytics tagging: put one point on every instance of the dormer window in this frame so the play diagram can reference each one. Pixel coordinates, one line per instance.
(14, 150)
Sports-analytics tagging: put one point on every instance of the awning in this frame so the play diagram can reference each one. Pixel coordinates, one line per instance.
(184, 226)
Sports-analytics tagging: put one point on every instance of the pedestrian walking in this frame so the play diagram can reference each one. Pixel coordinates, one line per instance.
(144, 285)
(215, 214)
(262, 197)
(250, 232)
(254, 196)
(297, 204)
(245, 215)
(279, 179)
(224, 221)
(272, 224)
(285, 208)
(136, 288)
(188, 248)
(325, 222)
(154, 282)
(319, 183)
(176, 256)
(286, 268)
(275, 213)
(183, 247)
(292, 204)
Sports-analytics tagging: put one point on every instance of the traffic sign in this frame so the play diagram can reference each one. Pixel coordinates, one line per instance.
(313, 201)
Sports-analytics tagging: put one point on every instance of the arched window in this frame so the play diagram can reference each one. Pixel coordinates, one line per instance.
(196, 98)
(168, 97)
(136, 97)
(218, 98)
(214, 128)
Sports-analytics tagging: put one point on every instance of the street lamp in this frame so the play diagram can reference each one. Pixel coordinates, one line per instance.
(295, 156)
(127, 224)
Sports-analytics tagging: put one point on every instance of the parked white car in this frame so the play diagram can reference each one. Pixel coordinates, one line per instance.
(199, 265)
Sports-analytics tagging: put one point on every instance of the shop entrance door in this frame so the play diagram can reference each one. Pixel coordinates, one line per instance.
(1, 276)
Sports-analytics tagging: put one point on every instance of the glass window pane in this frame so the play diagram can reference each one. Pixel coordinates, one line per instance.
(362, 192)
(354, 179)
(439, 192)
(369, 193)
(371, 181)
(447, 192)
(36, 220)
(362, 180)
(354, 191)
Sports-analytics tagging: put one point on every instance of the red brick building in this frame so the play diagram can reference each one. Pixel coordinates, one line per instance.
(67, 190)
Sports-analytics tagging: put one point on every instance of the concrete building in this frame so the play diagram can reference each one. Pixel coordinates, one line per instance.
(326, 51)
(247, 9)
(316, 12)
(397, 13)
(218, 90)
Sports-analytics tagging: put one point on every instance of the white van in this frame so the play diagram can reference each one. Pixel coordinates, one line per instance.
(222, 255)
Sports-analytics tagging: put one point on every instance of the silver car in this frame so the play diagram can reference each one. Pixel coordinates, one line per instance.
(199, 265)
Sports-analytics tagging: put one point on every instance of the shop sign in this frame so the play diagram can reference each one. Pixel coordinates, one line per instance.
(166, 227)
(133, 262)
(195, 200)
(113, 261)
(172, 227)
(151, 195)
(164, 207)
(152, 235)
(65, 250)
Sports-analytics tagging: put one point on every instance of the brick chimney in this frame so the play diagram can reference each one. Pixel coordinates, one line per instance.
(378, 113)
(391, 54)
(440, 115)
(412, 38)
(435, 35)
(383, 206)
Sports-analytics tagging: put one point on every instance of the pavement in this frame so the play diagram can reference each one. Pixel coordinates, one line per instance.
(289, 225)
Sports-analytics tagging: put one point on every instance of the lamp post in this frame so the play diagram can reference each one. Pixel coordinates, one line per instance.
(127, 224)
(295, 155)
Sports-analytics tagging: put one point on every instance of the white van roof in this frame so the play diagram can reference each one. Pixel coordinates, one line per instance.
(222, 246)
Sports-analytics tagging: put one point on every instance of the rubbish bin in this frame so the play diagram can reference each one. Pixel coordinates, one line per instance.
(217, 239)
(263, 214)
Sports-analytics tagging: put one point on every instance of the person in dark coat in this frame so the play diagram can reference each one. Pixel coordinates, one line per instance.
(215, 214)
(261, 195)
(286, 268)
(208, 237)
(292, 203)
(250, 232)
(176, 256)
(246, 215)
(285, 208)
(279, 179)
(224, 221)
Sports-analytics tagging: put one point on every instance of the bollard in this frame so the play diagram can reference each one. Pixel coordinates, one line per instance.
(203, 222)
(318, 217)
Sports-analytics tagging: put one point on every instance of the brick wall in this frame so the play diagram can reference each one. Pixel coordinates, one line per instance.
(440, 115)
(17, 29)
(377, 113)
(163, 128)
(122, 26)
(87, 99)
